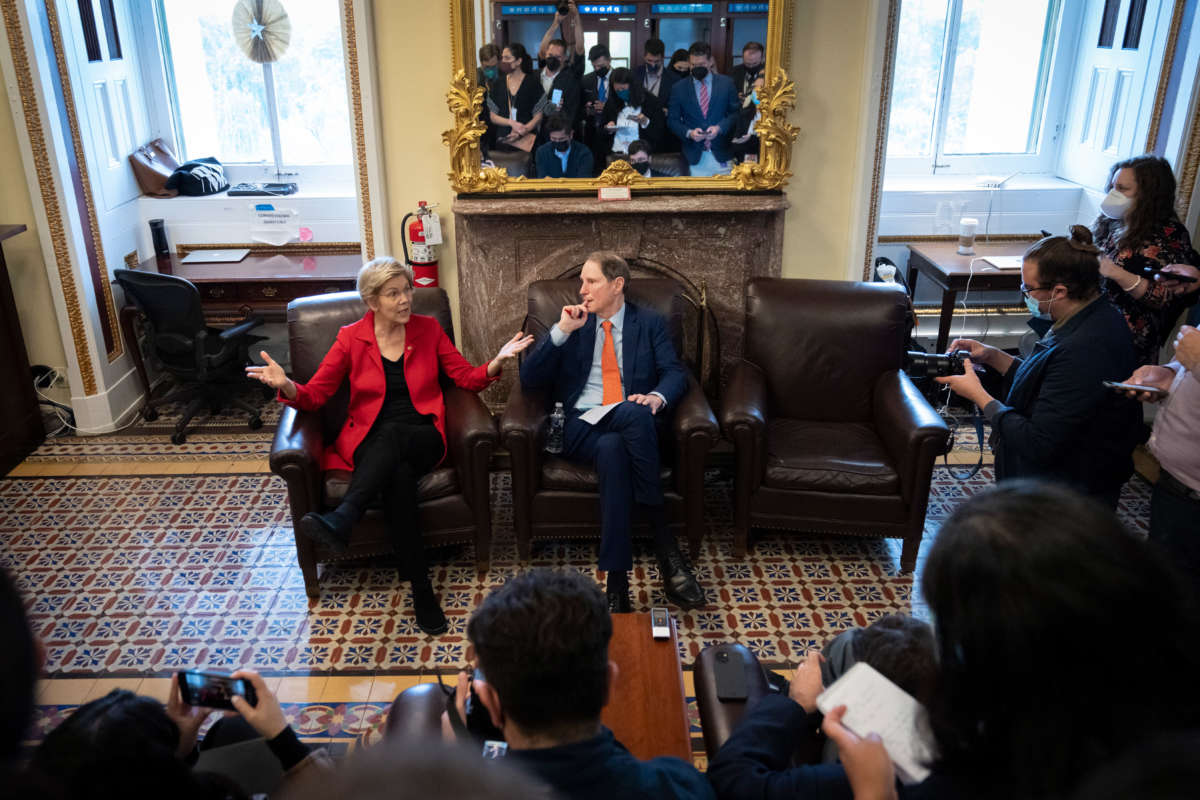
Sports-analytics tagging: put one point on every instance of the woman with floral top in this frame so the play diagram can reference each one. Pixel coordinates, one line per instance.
(1139, 229)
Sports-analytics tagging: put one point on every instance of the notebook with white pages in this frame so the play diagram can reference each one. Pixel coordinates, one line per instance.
(876, 705)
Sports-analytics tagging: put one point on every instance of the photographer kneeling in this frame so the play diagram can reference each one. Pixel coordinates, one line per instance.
(1058, 420)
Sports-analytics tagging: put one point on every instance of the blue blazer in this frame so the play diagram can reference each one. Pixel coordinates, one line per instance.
(1058, 421)
(647, 354)
(579, 162)
(683, 114)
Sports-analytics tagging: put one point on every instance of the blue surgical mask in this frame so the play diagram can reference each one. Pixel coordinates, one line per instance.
(623, 94)
(490, 73)
(1032, 305)
(754, 97)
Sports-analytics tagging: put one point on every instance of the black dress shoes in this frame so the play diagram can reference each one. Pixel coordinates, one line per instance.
(618, 601)
(331, 530)
(430, 618)
(679, 582)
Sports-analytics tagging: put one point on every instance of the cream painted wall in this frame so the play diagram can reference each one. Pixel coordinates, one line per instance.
(23, 254)
(829, 40)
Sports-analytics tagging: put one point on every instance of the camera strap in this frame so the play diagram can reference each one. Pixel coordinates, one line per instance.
(954, 422)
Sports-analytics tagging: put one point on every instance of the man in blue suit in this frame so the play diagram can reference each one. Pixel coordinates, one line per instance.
(702, 112)
(561, 157)
(604, 351)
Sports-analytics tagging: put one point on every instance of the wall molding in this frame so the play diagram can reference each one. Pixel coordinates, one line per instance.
(14, 26)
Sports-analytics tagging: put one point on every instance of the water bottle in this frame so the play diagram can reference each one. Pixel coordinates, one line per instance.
(554, 441)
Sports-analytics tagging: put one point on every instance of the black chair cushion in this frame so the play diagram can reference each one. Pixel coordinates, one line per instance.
(828, 457)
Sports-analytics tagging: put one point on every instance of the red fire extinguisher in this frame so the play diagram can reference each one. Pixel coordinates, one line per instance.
(424, 234)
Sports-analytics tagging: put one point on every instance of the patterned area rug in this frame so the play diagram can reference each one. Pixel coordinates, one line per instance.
(147, 575)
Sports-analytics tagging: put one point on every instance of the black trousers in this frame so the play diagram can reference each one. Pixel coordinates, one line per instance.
(390, 461)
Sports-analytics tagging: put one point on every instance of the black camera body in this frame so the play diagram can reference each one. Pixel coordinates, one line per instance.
(935, 365)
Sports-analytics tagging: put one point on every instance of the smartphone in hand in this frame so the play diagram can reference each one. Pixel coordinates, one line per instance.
(1135, 387)
(213, 689)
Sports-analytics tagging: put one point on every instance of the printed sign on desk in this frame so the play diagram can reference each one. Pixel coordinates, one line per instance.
(274, 226)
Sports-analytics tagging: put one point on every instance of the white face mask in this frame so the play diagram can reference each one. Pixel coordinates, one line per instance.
(1115, 205)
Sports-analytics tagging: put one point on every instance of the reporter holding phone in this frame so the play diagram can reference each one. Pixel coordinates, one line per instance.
(1175, 442)
(1057, 420)
(1138, 229)
(130, 746)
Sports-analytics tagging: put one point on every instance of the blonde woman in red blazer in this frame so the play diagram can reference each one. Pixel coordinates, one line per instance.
(395, 427)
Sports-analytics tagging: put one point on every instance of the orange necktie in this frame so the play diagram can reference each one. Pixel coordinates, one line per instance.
(609, 370)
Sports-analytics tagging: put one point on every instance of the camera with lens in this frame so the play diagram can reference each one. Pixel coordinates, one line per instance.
(935, 365)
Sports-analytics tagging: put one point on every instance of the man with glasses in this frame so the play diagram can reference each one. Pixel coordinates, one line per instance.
(1058, 421)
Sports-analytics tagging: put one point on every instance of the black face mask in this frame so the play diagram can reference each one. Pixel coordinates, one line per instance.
(699, 73)
(753, 70)
(564, 9)
(641, 166)
(563, 146)
(654, 67)
(601, 72)
(553, 63)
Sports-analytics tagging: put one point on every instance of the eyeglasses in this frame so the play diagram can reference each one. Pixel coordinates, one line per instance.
(1027, 289)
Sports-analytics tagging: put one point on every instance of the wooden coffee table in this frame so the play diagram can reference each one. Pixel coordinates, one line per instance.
(647, 710)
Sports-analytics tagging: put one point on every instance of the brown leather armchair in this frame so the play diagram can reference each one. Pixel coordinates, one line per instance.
(830, 435)
(556, 499)
(454, 498)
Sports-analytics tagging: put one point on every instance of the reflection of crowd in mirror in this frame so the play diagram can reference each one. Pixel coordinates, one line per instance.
(667, 117)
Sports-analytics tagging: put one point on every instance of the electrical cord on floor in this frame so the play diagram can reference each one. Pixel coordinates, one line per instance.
(67, 422)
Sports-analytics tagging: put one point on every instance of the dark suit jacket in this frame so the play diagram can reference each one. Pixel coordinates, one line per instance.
(572, 104)
(1058, 421)
(738, 76)
(683, 114)
(652, 134)
(579, 162)
(649, 362)
(669, 78)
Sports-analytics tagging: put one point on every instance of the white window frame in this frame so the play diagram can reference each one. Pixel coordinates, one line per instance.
(1054, 88)
(330, 177)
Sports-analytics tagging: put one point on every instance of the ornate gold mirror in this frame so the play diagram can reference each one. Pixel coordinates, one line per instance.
(598, 112)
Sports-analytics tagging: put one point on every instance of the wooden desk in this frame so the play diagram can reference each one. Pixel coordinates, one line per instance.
(262, 284)
(647, 711)
(940, 262)
(21, 429)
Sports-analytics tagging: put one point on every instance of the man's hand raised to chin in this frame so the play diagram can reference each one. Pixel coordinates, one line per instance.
(572, 318)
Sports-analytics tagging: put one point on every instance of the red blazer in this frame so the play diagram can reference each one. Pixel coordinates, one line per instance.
(427, 349)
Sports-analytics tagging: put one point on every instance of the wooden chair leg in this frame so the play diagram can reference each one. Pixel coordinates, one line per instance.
(908, 555)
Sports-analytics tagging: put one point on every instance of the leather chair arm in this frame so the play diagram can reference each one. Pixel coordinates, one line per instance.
(470, 436)
(694, 416)
(417, 712)
(744, 419)
(523, 425)
(910, 429)
(296, 457)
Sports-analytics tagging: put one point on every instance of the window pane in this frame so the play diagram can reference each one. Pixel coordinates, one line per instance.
(220, 93)
(618, 47)
(915, 85)
(997, 77)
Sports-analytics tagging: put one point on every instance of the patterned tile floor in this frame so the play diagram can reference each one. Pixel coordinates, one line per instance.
(134, 569)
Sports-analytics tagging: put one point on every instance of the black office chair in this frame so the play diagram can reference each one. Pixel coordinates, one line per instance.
(208, 364)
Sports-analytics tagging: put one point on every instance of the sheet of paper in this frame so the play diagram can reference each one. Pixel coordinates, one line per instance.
(275, 226)
(876, 705)
(594, 415)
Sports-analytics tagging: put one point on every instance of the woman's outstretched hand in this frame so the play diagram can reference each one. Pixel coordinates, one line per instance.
(509, 351)
(272, 375)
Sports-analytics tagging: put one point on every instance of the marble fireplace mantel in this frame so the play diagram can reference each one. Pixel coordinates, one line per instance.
(718, 241)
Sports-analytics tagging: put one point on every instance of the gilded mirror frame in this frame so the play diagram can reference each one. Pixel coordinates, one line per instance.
(465, 99)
